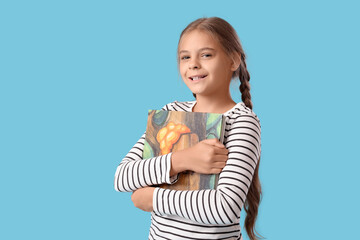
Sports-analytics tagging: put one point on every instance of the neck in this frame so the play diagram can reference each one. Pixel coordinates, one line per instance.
(213, 104)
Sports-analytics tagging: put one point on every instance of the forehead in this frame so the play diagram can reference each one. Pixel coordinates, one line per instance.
(195, 40)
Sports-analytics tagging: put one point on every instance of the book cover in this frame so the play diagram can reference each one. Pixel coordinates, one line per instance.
(170, 131)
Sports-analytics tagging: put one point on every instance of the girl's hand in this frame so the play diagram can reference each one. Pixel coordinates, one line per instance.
(143, 198)
(207, 157)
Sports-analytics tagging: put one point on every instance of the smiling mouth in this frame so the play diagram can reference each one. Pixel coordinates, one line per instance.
(195, 79)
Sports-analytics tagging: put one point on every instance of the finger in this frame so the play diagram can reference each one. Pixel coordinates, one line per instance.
(220, 158)
(219, 165)
(212, 141)
(218, 144)
(221, 151)
(216, 170)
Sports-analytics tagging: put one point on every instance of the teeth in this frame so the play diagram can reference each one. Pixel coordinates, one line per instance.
(196, 78)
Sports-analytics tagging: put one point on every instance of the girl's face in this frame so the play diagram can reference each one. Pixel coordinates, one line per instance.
(201, 55)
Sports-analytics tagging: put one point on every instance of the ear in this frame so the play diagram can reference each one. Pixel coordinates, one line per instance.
(235, 61)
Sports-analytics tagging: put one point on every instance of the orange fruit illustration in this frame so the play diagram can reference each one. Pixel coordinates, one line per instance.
(169, 135)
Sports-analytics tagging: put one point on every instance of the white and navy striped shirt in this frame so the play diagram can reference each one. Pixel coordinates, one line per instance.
(198, 214)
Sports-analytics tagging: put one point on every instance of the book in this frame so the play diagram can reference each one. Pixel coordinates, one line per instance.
(170, 131)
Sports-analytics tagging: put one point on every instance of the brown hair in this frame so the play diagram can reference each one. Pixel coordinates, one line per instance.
(222, 31)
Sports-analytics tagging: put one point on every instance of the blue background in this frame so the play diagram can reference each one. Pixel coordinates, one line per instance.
(77, 80)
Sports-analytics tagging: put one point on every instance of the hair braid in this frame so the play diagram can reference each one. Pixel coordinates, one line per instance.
(244, 87)
(253, 197)
(228, 38)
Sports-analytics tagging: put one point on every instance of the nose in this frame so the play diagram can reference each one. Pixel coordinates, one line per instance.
(194, 63)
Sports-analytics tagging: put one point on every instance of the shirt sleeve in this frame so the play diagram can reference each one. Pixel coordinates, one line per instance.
(223, 204)
(134, 172)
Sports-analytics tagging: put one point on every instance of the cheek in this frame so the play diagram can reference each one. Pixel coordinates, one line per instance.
(218, 70)
(182, 71)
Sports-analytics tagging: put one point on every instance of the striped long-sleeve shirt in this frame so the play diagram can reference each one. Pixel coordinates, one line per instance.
(198, 214)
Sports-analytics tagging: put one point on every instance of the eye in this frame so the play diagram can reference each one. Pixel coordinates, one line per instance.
(207, 54)
(183, 58)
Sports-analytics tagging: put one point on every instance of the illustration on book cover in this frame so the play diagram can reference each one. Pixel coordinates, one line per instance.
(171, 131)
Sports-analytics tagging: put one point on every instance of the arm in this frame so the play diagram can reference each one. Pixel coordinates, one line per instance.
(134, 172)
(223, 204)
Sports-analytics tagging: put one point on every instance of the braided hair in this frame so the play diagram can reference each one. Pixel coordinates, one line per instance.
(229, 40)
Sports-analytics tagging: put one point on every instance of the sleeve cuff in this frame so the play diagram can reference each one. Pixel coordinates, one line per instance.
(160, 201)
(155, 200)
(168, 179)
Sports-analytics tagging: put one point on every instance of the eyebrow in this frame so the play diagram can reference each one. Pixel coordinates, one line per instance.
(201, 49)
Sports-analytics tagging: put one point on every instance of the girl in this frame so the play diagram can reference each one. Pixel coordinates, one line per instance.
(209, 56)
